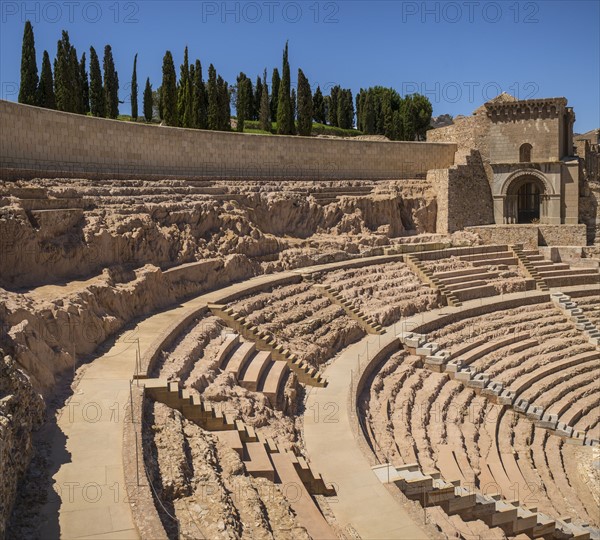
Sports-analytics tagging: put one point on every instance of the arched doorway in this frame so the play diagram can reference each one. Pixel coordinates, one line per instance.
(525, 200)
(529, 200)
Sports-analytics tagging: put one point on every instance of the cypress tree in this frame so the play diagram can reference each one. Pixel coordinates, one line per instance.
(340, 108)
(134, 90)
(159, 102)
(45, 93)
(388, 116)
(345, 109)
(199, 99)
(213, 99)
(294, 109)
(327, 107)
(169, 91)
(398, 128)
(77, 82)
(359, 103)
(368, 121)
(318, 106)
(305, 105)
(29, 70)
(294, 102)
(249, 99)
(332, 113)
(85, 86)
(97, 100)
(349, 109)
(224, 104)
(241, 102)
(66, 75)
(184, 95)
(284, 105)
(148, 101)
(265, 110)
(275, 83)
(257, 98)
(111, 84)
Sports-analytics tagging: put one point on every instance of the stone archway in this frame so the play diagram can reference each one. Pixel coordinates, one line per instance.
(525, 200)
(527, 196)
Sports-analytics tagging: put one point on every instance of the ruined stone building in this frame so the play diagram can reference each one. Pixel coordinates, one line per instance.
(537, 172)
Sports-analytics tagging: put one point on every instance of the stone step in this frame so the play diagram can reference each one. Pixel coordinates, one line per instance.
(257, 461)
(255, 367)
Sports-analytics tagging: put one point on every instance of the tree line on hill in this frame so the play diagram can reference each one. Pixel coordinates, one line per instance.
(192, 102)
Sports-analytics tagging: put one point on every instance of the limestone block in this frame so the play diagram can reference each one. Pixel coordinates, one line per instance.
(464, 375)
(413, 340)
(479, 381)
(563, 430)
(521, 405)
(534, 412)
(453, 366)
(494, 388)
(548, 421)
(427, 349)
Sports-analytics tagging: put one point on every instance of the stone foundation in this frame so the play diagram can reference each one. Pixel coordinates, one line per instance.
(532, 236)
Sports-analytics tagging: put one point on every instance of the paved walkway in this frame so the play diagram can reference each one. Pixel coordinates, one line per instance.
(362, 501)
(89, 498)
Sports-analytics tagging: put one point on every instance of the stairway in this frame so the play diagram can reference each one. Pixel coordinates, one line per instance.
(369, 325)
(239, 435)
(265, 342)
(436, 359)
(430, 489)
(253, 369)
(529, 268)
(427, 276)
(576, 316)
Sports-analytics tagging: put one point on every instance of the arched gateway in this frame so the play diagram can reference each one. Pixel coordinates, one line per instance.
(525, 200)
(527, 196)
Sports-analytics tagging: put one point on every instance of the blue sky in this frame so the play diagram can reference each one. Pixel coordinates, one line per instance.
(458, 53)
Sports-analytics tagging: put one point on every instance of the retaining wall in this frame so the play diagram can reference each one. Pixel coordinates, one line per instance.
(42, 142)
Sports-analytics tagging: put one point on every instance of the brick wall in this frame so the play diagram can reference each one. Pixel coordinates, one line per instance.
(49, 141)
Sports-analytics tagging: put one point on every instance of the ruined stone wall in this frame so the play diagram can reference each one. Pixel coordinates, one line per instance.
(467, 132)
(562, 235)
(48, 141)
(532, 236)
(464, 195)
(589, 189)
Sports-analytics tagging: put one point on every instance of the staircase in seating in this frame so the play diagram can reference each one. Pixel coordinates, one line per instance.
(430, 489)
(240, 436)
(265, 342)
(369, 325)
(529, 268)
(427, 276)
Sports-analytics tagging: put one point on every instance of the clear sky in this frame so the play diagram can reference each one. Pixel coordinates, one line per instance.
(458, 53)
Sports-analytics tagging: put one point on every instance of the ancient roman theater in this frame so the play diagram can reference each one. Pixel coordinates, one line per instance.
(229, 335)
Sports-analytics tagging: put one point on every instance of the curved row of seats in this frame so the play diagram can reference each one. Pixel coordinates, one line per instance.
(385, 292)
(438, 424)
(441, 423)
(301, 320)
(475, 272)
(562, 274)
